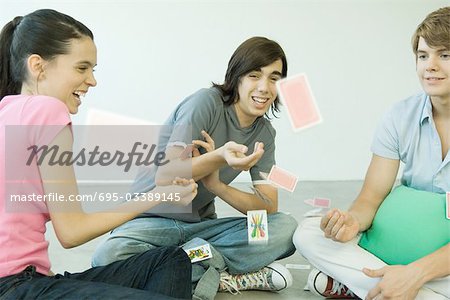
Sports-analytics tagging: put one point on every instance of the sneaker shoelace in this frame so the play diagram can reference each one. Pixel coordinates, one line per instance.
(227, 283)
(250, 281)
(339, 288)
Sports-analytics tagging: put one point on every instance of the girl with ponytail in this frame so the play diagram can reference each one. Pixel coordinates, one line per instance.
(47, 61)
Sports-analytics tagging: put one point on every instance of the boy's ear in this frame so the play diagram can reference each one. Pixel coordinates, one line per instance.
(35, 66)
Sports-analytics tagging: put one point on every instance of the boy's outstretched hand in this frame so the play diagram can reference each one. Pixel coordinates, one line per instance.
(234, 154)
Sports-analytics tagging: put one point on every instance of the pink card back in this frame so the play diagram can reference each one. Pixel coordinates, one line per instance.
(283, 178)
(296, 95)
(321, 202)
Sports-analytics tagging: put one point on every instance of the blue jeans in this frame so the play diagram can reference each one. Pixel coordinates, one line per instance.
(163, 273)
(227, 235)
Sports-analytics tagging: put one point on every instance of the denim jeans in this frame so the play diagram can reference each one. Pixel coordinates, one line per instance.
(163, 273)
(226, 235)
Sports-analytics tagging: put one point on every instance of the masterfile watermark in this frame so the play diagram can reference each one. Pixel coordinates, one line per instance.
(97, 196)
(112, 164)
(94, 157)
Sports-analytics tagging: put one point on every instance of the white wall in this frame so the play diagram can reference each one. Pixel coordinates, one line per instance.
(356, 53)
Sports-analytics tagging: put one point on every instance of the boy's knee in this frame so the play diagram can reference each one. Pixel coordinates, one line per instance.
(116, 249)
(175, 252)
(297, 238)
(283, 224)
(306, 234)
(102, 255)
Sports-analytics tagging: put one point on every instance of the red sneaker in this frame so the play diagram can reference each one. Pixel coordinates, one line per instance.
(323, 285)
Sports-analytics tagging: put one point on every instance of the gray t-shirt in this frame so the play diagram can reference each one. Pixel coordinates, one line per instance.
(205, 110)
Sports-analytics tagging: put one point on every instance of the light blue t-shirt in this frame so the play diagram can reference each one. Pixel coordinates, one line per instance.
(407, 132)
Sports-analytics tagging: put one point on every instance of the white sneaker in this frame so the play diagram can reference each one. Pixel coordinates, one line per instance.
(275, 277)
(323, 285)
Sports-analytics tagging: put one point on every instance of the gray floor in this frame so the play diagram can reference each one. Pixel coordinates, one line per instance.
(341, 194)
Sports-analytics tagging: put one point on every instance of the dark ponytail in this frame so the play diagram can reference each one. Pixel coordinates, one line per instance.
(44, 32)
(8, 85)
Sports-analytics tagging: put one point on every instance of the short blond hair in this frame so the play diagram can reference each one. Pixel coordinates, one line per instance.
(434, 29)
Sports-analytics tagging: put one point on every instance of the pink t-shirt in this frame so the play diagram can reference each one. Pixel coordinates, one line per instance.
(22, 223)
